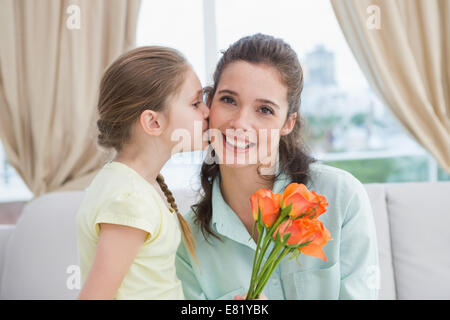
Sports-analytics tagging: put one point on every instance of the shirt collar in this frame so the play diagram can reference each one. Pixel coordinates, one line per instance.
(226, 221)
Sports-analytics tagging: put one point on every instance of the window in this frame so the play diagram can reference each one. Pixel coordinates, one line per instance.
(12, 187)
(177, 24)
(180, 25)
(347, 125)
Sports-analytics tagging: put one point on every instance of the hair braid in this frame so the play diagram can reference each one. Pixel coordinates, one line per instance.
(184, 225)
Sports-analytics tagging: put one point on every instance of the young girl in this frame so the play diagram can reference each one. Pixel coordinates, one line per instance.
(127, 233)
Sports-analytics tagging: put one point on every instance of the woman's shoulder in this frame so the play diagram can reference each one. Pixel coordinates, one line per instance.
(190, 218)
(340, 188)
(326, 177)
(320, 169)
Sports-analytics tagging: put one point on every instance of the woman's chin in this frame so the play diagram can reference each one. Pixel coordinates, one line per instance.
(235, 165)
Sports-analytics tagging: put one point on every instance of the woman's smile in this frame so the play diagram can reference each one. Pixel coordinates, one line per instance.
(235, 145)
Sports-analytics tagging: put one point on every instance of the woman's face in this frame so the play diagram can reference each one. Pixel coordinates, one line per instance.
(248, 114)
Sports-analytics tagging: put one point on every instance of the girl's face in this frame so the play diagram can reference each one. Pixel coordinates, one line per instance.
(188, 116)
(249, 111)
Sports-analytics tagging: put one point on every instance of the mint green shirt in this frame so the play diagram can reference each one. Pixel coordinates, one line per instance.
(352, 269)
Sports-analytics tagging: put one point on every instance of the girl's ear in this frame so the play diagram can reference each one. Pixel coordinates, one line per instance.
(152, 122)
(289, 124)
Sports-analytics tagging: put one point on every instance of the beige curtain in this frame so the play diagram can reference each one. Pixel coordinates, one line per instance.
(403, 48)
(52, 56)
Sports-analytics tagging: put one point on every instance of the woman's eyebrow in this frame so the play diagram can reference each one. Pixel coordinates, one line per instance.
(228, 91)
(268, 102)
(257, 100)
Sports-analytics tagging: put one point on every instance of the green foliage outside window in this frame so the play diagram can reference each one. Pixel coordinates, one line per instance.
(401, 169)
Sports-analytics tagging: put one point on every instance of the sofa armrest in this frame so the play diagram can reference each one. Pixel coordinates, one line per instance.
(6, 231)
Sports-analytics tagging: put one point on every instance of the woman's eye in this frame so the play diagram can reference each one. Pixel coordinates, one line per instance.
(267, 110)
(228, 100)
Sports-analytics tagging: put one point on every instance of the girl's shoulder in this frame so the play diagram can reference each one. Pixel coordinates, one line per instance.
(116, 184)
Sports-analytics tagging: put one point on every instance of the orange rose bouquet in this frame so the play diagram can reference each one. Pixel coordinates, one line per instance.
(289, 221)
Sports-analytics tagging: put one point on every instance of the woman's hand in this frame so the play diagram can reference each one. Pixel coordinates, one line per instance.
(239, 297)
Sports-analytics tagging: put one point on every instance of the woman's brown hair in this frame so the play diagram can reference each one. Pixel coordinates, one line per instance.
(294, 158)
(141, 79)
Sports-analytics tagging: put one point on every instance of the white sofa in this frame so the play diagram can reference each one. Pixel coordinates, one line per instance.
(38, 256)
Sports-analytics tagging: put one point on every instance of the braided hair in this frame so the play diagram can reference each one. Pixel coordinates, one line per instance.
(184, 225)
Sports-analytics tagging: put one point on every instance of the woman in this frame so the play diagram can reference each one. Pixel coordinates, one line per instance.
(257, 87)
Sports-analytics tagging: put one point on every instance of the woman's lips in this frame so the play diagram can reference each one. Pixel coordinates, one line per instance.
(236, 146)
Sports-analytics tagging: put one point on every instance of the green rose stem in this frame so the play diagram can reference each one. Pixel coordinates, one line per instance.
(266, 241)
(272, 265)
(268, 268)
(260, 252)
(252, 282)
(269, 261)
(258, 258)
(265, 245)
(263, 281)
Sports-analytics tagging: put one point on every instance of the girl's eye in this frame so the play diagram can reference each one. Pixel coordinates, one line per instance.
(197, 104)
(267, 110)
(227, 99)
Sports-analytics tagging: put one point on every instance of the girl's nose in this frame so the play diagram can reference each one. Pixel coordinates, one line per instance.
(205, 111)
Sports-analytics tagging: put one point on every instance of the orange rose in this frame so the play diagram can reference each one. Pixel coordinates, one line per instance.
(320, 236)
(268, 202)
(303, 200)
(303, 230)
(321, 204)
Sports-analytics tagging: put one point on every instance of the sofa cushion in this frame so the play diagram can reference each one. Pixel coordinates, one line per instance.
(6, 230)
(419, 215)
(42, 250)
(377, 196)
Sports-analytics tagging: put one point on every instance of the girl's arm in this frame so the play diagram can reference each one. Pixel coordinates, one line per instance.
(117, 248)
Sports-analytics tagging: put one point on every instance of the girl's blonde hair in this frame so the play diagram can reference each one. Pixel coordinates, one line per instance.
(141, 79)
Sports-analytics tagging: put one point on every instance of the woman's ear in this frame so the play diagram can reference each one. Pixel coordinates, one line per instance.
(289, 124)
(152, 122)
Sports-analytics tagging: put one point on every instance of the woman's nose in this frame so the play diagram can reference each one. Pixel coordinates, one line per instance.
(241, 120)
